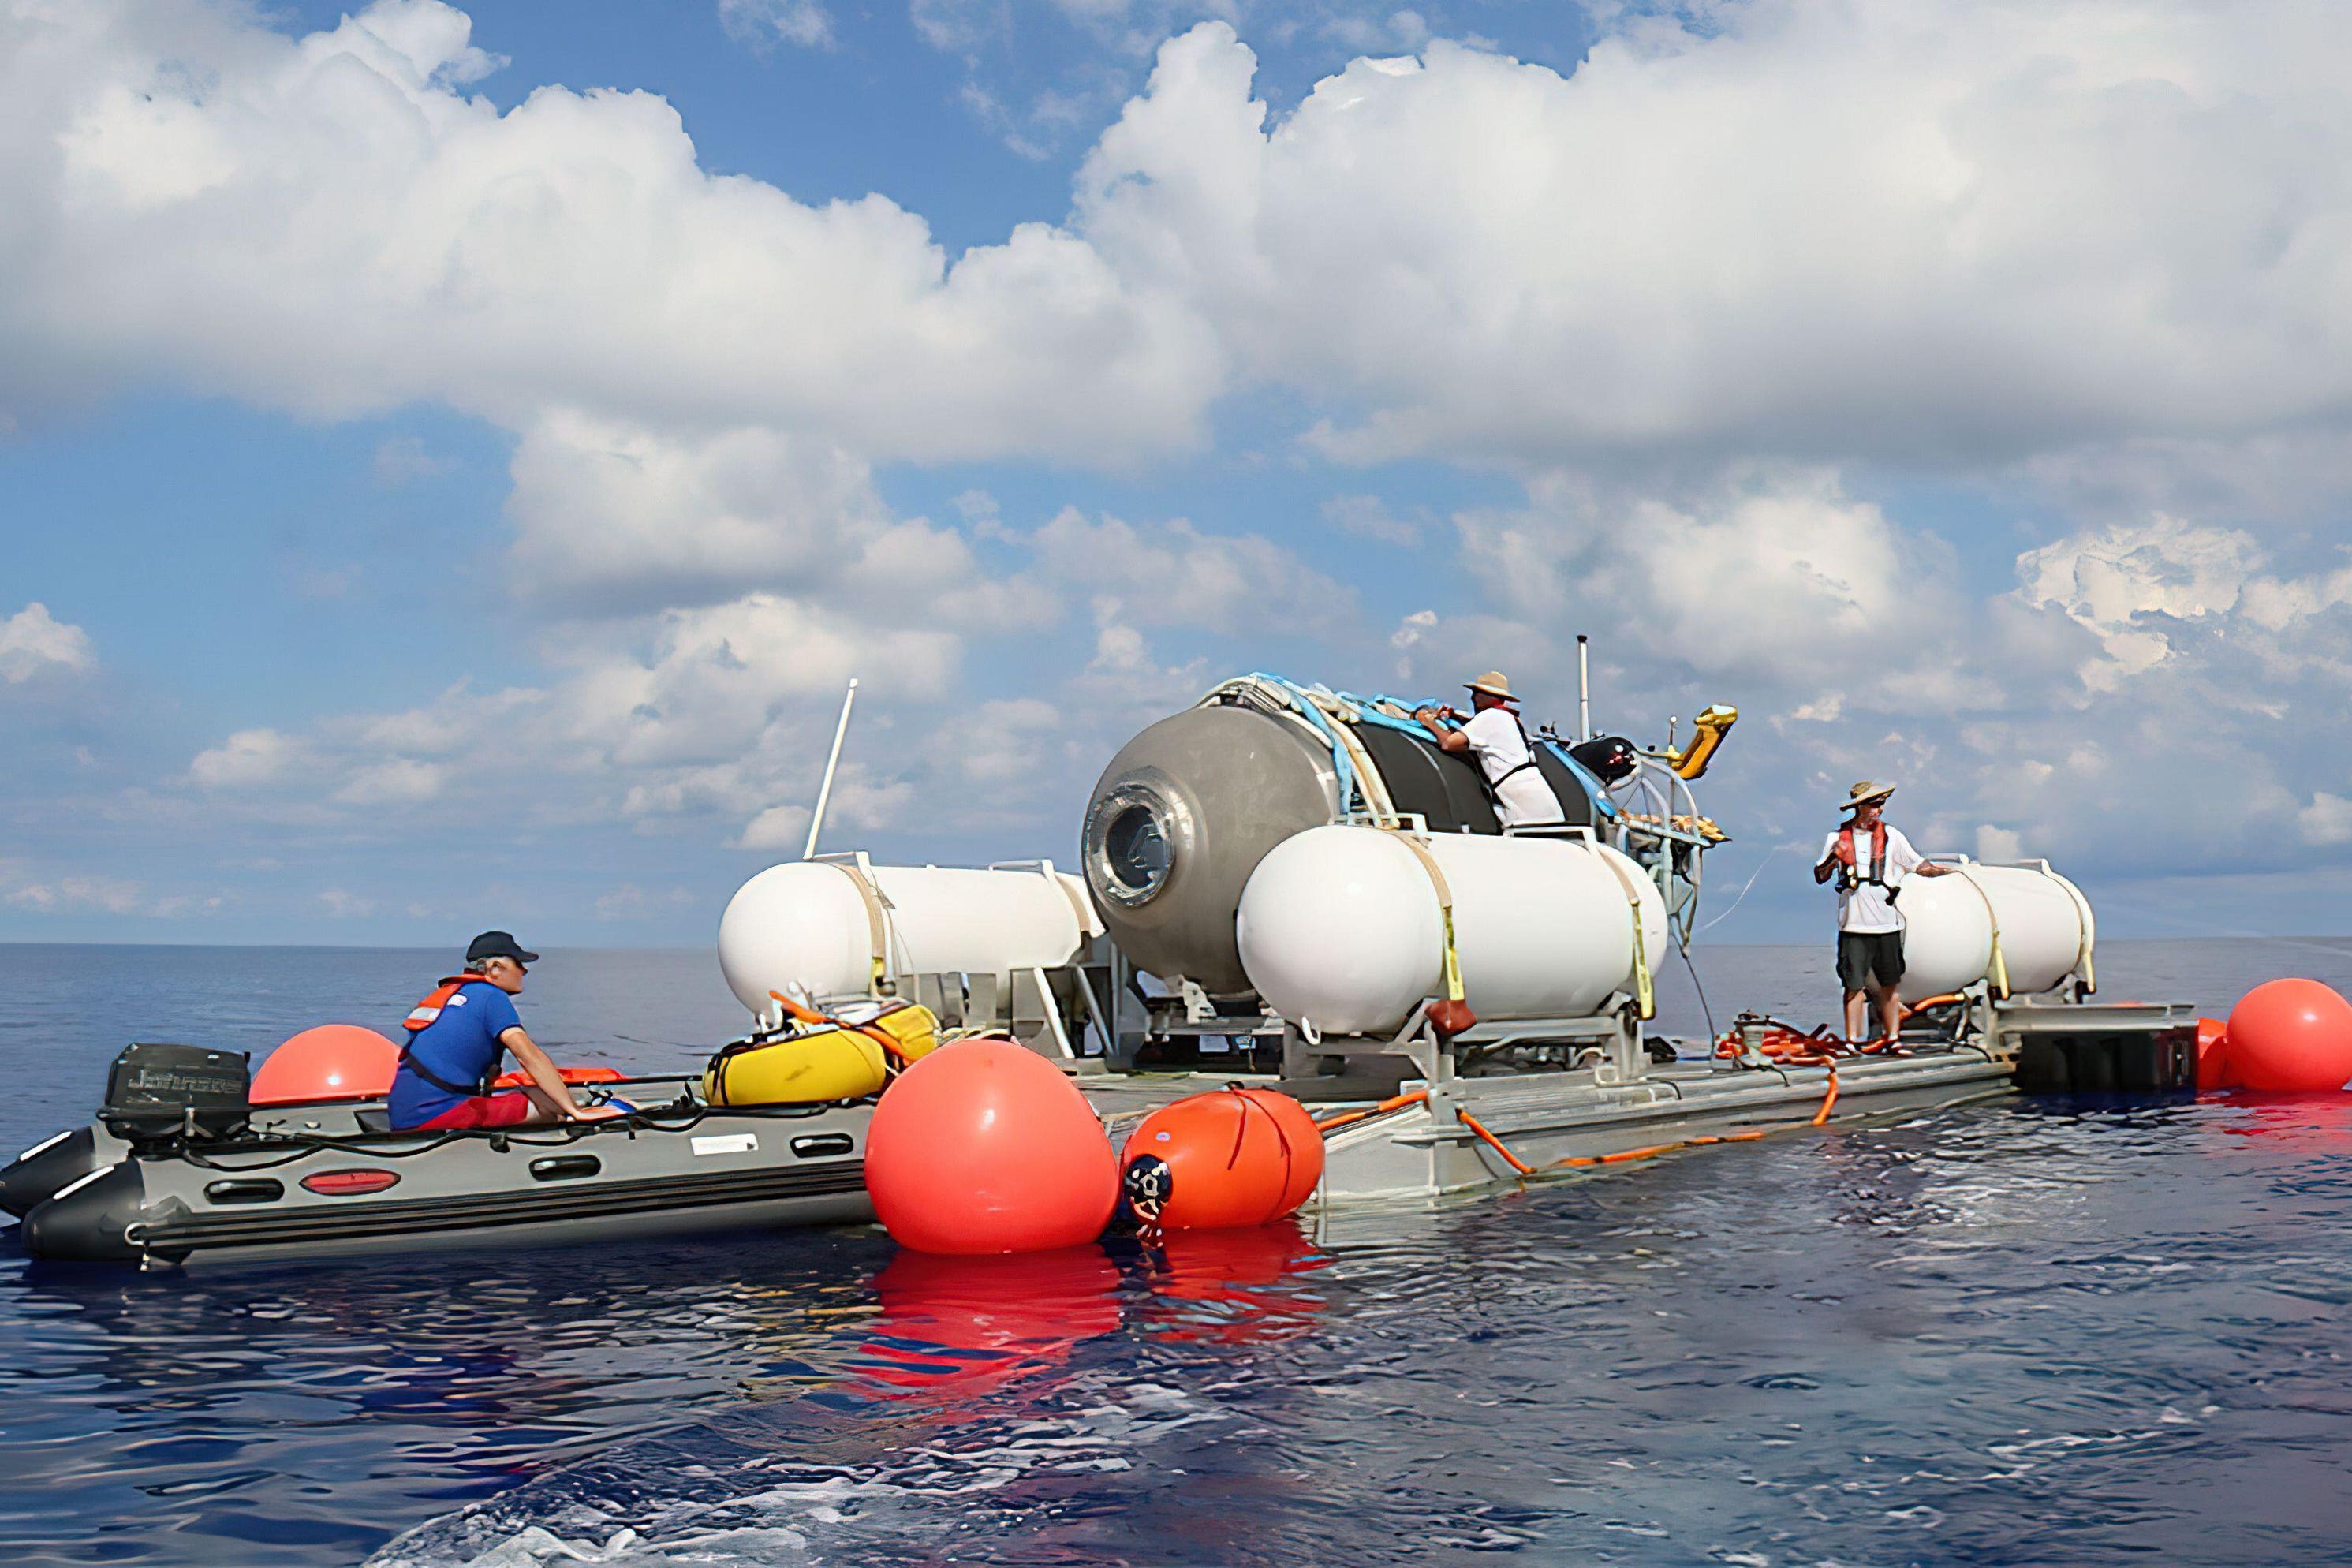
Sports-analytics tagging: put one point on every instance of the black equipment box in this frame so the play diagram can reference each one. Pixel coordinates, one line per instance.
(157, 1091)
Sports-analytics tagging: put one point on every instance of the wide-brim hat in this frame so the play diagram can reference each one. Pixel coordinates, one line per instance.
(1494, 683)
(1865, 791)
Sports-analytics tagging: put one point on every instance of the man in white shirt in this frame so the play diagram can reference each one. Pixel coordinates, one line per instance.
(1497, 738)
(1870, 860)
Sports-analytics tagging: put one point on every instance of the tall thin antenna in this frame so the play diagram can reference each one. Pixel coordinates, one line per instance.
(1583, 688)
(825, 790)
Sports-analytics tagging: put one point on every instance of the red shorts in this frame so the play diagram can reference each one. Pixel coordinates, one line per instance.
(484, 1111)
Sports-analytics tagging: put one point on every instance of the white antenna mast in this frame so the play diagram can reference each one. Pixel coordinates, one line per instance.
(1583, 688)
(825, 790)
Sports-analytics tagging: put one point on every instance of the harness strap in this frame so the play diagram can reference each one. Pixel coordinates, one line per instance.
(1847, 857)
(1999, 974)
(1645, 990)
(1452, 960)
(877, 925)
(481, 1086)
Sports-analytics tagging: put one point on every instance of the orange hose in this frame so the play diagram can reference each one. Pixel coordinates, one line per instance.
(1472, 1123)
(890, 1047)
(1349, 1118)
(1946, 1000)
(1519, 1166)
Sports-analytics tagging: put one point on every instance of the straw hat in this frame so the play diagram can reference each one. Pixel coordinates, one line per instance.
(1865, 793)
(1494, 683)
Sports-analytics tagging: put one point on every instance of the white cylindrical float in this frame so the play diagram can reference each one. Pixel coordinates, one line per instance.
(815, 927)
(2045, 927)
(1339, 927)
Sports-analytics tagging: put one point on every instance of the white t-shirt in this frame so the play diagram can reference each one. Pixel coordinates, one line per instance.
(1523, 799)
(1865, 908)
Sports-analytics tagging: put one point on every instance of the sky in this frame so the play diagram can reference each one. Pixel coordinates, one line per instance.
(451, 461)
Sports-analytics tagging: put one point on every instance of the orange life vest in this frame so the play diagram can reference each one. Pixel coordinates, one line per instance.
(425, 1013)
(1877, 855)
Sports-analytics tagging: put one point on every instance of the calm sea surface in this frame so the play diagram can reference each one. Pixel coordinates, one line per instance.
(2023, 1332)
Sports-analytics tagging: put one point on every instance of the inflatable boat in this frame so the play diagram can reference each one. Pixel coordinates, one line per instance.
(180, 1167)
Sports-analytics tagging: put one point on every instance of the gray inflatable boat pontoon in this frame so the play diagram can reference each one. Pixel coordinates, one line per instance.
(233, 1183)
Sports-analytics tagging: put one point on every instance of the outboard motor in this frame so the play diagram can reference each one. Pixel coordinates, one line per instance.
(155, 1092)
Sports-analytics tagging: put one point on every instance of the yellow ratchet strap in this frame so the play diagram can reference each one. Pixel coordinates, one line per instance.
(1645, 991)
(878, 926)
(1444, 908)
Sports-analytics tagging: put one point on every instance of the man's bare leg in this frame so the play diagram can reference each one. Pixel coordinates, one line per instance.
(1890, 1013)
(1857, 1014)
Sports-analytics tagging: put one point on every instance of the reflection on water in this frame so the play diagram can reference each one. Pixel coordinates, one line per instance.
(951, 1329)
(2052, 1332)
(2017, 1332)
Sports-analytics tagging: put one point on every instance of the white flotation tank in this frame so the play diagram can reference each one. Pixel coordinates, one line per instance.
(1339, 927)
(818, 925)
(2045, 925)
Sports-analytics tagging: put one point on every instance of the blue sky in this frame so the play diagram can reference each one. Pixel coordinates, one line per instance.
(444, 489)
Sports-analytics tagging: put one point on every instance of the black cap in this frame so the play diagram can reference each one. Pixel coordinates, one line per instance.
(498, 944)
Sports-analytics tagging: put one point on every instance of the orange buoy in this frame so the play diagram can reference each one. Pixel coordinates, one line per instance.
(1231, 1157)
(2213, 1055)
(333, 1061)
(2290, 1036)
(984, 1146)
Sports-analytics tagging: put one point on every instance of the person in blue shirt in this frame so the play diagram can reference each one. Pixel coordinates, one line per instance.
(456, 1038)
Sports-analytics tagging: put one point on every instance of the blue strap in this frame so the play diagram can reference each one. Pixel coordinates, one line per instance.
(1300, 702)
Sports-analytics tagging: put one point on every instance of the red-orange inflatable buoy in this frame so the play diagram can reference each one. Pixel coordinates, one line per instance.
(984, 1146)
(2213, 1055)
(2290, 1036)
(333, 1061)
(1212, 1162)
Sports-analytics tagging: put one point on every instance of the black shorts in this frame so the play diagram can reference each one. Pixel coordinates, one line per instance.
(1870, 959)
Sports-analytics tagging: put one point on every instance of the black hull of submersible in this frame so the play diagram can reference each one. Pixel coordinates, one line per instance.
(48, 1168)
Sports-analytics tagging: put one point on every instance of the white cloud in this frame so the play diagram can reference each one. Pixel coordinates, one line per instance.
(399, 781)
(34, 642)
(1368, 517)
(22, 888)
(1796, 226)
(762, 24)
(690, 716)
(2125, 582)
(1172, 573)
(326, 226)
(341, 905)
(1777, 576)
(2326, 820)
(247, 757)
(778, 828)
(612, 516)
(401, 460)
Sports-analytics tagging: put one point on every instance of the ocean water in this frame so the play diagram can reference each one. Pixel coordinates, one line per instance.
(2017, 1332)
